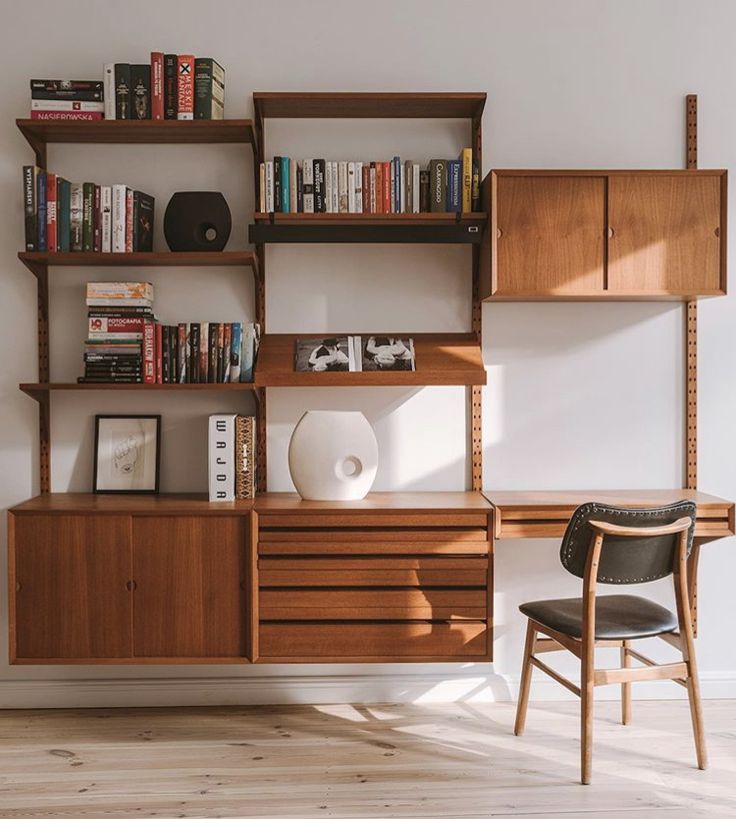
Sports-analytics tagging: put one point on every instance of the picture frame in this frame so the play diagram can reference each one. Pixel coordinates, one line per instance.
(127, 457)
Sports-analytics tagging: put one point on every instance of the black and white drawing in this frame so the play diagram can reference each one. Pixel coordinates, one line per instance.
(326, 354)
(127, 453)
(388, 353)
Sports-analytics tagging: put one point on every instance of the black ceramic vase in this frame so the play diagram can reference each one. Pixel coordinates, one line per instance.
(197, 220)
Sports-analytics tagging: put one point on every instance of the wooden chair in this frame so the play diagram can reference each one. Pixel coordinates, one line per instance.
(608, 544)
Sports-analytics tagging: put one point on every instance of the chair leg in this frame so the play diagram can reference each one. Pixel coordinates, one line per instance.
(526, 679)
(586, 714)
(625, 687)
(693, 695)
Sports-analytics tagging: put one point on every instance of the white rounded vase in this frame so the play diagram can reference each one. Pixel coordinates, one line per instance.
(333, 455)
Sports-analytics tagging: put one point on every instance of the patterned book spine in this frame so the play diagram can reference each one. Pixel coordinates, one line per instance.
(244, 457)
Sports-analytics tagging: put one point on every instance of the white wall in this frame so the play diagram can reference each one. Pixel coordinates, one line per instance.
(570, 84)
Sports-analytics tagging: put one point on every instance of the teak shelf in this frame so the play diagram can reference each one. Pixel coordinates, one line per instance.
(40, 389)
(227, 258)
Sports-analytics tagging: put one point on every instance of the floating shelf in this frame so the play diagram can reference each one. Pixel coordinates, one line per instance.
(138, 132)
(236, 258)
(349, 105)
(38, 389)
(441, 359)
(429, 228)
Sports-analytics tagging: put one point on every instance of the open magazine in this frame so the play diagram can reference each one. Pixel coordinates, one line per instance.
(354, 354)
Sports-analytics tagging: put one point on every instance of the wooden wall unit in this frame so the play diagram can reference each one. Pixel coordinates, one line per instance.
(605, 234)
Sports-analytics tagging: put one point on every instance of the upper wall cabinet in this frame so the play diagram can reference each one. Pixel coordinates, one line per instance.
(605, 234)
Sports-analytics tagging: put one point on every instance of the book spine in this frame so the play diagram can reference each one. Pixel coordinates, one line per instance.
(366, 188)
(244, 457)
(212, 336)
(342, 187)
(30, 207)
(51, 223)
(159, 352)
(335, 188)
(466, 158)
(320, 201)
(227, 333)
(185, 87)
(396, 185)
(221, 463)
(299, 188)
(262, 187)
(128, 220)
(84, 90)
(118, 218)
(387, 202)
(67, 105)
(106, 218)
(285, 185)
(193, 353)
(269, 187)
(475, 187)
(63, 214)
(204, 352)
(408, 187)
(108, 80)
(401, 175)
(415, 188)
(308, 185)
(220, 353)
(181, 353)
(97, 220)
(41, 221)
(375, 184)
(358, 187)
(328, 186)
(171, 87)
(66, 115)
(157, 85)
(140, 82)
(351, 187)
(292, 186)
(88, 223)
(424, 192)
(122, 91)
(202, 88)
(76, 205)
(236, 343)
(277, 196)
(134, 220)
(114, 325)
(438, 185)
(454, 186)
(167, 354)
(247, 358)
(149, 352)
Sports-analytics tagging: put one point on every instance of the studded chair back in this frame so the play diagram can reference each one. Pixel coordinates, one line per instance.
(625, 560)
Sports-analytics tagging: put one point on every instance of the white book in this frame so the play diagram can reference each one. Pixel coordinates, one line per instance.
(351, 187)
(292, 186)
(402, 189)
(373, 189)
(342, 187)
(357, 351)
(67, 105)
(328, 186)
(221, 460)
(106, 220)
(308, 185)
(262, 187)
(269, 186)
(118, 218)
(358, 187)
(335, 182)
(415, 187)
(108, 89)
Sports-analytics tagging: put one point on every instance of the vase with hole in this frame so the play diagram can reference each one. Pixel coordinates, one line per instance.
(333, 455)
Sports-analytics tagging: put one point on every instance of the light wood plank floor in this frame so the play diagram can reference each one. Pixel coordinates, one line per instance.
(355, 762)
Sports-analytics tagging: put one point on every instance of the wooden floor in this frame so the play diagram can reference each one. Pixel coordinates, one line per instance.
(459, 761)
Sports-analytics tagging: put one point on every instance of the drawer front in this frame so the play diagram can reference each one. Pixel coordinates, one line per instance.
(343, 520)
(376, 642)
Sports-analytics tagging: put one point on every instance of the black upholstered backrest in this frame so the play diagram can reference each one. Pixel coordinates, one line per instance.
(625, 560)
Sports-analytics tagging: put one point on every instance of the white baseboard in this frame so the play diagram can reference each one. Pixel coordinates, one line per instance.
(418, 687)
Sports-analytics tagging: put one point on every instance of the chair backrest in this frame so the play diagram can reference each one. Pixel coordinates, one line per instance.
(625, 560)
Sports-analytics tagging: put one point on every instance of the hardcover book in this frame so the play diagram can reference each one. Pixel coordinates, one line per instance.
(157, 85)
(30, 205)
(106, 217)
(454, 186)
(438, 185)
(221, 460)
(41, 210)
(108, 74)
(245, 460)
(320, 200)
(63, 214)
(143, 205)
(123, 85)
(185, 84)
(82, 90)
(76, 203)
(209, 89)
(88, 200)
(140, 83)
(308, 185)
(171, 86)
(51, 225)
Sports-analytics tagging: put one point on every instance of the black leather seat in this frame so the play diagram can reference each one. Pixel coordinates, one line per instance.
(617, 616)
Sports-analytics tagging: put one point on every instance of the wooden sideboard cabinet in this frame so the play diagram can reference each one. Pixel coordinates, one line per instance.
(605, 234)
(97, 579)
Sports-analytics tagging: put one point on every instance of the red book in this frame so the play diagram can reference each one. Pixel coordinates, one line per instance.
(366, 188)
(60, 115)
(157, 85)
(379, 187)
(149, 353)
(51, 231)
(97, 222)
(117, 324)
(185, 85)
(386, 173)
(128, 220)
(159, 353)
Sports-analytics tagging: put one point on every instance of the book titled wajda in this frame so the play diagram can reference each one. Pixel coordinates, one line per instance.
(221, 462)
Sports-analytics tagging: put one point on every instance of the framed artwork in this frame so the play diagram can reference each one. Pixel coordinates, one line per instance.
(127, 454)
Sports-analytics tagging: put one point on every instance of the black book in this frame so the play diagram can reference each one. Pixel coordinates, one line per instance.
(74, 90)
(212, 348)
(88, 216)
(424, 191)
(165, 355)
(299, 189)
(99, 311)
(320, 205)
(277, 196)
(30, 207)
(171, 90)
(142, 222)
(112, 366)
(111, 379)
(122, 91)
(438, 186)
(475, 188)
(113, 358)
(140, 84)
(194, 356)
(173, 333)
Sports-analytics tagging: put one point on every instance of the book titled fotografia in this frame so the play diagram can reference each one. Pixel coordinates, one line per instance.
(354, 354)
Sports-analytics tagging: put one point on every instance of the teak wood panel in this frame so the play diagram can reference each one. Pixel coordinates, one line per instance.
(666, 233)
(377, 642)
(190, 577)
(69, 587)
(549, 234)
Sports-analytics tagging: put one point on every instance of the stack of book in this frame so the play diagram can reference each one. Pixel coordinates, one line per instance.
(118, 313)
(327, 186)
(83, 216)
(171, 86)
(67, 99)
(232, 457)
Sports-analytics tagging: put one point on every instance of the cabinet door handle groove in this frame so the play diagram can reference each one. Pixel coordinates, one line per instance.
(131, 585)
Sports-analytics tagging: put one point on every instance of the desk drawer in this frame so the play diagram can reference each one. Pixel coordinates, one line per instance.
(375, 642)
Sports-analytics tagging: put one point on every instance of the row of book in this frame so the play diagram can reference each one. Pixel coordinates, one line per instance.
(68, 216)
(127, 344)
(231, 457)
(354, 354)
(171, 86)
(327, 186)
